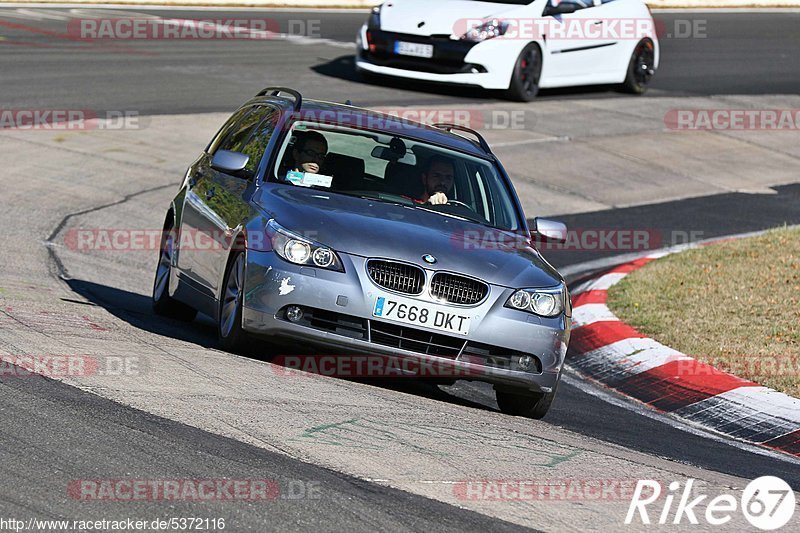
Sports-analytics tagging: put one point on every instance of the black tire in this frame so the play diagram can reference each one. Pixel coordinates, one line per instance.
(526, 403)
(641, 68)
(163, 303)
(232, 337)
(527, 72)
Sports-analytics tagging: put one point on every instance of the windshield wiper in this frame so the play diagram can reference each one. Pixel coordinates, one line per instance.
(481, 221)
(381, 197)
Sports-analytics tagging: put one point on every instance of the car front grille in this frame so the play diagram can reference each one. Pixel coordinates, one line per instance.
(415, 340)
(399, 277)
(458, 289)
(411, 339)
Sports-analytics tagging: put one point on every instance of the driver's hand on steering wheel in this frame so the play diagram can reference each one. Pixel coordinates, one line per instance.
(438, 198)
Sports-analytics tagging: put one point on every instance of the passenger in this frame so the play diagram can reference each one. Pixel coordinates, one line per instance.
(437, 178)
(308, 153)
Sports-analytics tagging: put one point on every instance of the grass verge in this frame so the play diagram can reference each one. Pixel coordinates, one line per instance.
(734, 305)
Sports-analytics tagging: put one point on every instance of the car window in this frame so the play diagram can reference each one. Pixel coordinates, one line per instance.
(249, 134)
(240, 134)
(397, 169)
(226, 129)
(567, 6)
(354, 146)
(258, 138)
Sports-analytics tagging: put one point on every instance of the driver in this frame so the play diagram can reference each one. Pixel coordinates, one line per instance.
(437, 178)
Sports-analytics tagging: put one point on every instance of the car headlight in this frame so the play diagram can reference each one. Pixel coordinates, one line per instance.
(301, 251)
(374, 21)
(548, 302)
(488, 30)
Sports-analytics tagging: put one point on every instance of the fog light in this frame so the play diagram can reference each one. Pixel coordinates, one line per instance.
(294, 314)
(525, 362)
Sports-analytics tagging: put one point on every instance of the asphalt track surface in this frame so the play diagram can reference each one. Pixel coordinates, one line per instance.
(49, 431)
(46, 422)
(43, 64)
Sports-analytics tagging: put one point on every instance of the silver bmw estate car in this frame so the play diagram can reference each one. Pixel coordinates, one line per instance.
(343, 231)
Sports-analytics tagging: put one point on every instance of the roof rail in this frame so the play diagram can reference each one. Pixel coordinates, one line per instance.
(446, 126)
(275, 91)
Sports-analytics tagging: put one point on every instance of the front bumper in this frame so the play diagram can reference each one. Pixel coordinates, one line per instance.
(487, 64)
(497, 334)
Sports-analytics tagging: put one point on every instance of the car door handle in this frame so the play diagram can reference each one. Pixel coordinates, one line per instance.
(210, 194)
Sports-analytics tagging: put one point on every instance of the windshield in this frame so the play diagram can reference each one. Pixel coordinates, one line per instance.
(395, 169)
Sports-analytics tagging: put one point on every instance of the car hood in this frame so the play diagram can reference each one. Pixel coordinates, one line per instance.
(442, 17)
(378, 229)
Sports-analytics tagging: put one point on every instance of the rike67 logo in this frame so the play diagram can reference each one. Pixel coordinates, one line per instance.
(767, 503)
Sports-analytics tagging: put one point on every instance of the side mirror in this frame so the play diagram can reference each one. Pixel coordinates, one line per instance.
(230, 162)
(550, 230)
(562, 8)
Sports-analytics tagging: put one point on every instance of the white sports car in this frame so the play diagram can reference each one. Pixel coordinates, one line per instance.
(518, 46)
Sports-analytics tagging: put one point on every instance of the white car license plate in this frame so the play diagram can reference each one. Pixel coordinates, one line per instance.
(413, 49)
(422, 314)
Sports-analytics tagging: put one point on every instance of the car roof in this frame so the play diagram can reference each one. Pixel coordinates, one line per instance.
(361, 118)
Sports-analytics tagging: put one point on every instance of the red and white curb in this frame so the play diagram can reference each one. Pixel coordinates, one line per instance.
(605, 349)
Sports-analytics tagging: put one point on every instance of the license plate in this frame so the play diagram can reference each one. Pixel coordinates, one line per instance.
(413, 49)
(422, 314)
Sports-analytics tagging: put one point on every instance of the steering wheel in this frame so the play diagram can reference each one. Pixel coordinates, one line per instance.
(456, 202)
